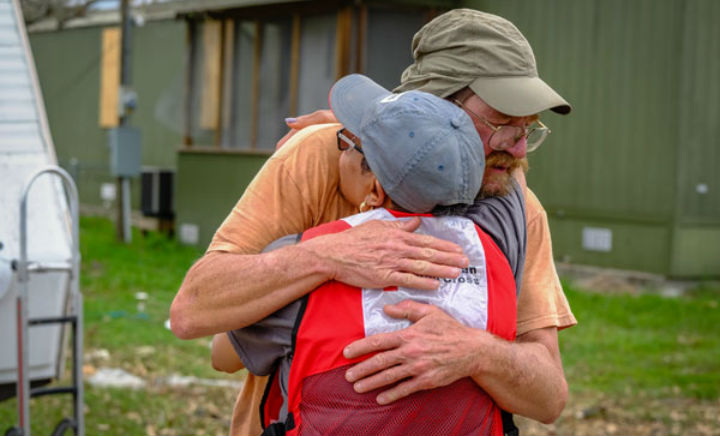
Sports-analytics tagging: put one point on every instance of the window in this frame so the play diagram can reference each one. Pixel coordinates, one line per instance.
(246, 74)
(242, 80)
(274, 98)
(390, 32)
(317, 62)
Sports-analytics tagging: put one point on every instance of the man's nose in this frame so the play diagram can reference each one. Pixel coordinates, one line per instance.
(519, 150)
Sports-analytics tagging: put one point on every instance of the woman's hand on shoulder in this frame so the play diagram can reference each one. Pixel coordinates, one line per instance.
(320, 116)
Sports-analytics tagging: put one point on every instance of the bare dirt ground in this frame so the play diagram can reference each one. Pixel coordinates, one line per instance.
(597, 415)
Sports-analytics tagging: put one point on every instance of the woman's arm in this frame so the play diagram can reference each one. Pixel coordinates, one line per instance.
(224, 357)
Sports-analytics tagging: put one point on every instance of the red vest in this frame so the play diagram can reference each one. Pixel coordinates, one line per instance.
(322, 402)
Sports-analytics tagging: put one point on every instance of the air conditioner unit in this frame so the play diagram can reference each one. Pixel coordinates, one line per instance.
(157, 194)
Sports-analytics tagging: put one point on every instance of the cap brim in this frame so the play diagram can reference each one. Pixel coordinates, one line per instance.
(519, 96)
(352, 96)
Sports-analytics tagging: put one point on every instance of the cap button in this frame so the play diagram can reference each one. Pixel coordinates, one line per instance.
(455, 123)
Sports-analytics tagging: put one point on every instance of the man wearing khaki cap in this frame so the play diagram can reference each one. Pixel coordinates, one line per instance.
(484, 64)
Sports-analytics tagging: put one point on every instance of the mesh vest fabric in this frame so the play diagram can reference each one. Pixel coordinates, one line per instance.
(330, 406)
(321, 401)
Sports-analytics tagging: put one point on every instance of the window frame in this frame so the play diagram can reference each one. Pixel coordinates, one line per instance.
(349, 57)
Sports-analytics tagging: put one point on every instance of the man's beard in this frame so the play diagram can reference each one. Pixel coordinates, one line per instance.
(495, 183)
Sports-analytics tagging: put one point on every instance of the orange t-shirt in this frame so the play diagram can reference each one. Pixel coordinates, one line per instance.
(297, 189)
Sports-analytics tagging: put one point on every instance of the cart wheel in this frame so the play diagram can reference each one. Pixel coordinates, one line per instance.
(13, 431)
(64, 426)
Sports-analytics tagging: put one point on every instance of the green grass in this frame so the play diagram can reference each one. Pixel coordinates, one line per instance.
(111, 274)
(637, 351)
(644, 344)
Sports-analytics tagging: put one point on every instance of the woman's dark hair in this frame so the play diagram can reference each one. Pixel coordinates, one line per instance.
(364, 166)
(452, 210)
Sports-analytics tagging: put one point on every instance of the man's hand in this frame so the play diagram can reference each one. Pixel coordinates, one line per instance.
(296, 124)
(246, 288)
(378, 254)
(432, 352)
(523, 377)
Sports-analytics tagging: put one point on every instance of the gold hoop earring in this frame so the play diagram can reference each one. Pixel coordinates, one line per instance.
(363, 206)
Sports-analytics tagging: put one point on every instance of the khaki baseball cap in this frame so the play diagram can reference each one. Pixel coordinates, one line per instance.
(466, 47)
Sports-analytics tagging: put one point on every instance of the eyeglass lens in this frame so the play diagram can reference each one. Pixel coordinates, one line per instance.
(345, 143)
(507, 136)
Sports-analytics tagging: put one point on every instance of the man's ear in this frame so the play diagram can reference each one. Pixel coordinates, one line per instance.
(377, 196)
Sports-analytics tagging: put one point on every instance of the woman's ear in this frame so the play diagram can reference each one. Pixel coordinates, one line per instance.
(377, 196)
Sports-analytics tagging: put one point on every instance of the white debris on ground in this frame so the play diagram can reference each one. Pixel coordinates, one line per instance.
(97, 355)
(119, 378)
(177, 380)
(115, 378)
(145, 351)
(607, 280)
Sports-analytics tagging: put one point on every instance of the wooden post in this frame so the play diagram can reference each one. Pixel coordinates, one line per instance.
(360, 42)
(342, 42)
(212, 75)
(123, 230)
(219, 77)
(190, 49)
(227, 87)
(110, 77)
(295, 64)
(257, 58)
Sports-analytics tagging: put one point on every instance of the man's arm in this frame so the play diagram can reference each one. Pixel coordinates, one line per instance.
(523, 377)
(226, 291)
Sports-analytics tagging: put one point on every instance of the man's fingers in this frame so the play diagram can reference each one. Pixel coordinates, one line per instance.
(429, 246)
(432, 268)
(410, 310)
(425, 241)
(430, 249)
(371, 344)
(378, 254)
(432, 242)
(402, 390)
(373, 368)
(428, 261)
(382, 378)
(409, 280)
(407, 225)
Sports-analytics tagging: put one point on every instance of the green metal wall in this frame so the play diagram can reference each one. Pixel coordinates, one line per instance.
(696, 252)
(209, 185)
(642, 78)
(696, 249)
(68, 64)
(634, 246)
(698, 151)
(69, 74)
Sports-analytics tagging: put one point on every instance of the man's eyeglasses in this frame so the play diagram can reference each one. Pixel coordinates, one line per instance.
(345, 143)
(506, 136)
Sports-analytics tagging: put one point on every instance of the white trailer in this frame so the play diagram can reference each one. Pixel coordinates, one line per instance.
(39, 259)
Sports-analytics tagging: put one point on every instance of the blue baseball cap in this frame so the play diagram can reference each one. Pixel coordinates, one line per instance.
(424, 150)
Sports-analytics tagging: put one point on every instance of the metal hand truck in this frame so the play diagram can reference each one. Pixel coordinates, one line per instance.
(24, 267)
